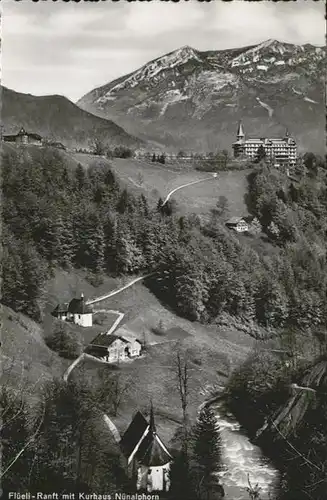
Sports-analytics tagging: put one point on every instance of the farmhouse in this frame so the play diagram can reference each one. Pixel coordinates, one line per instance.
(148, 459)
(61, 311)
(76, 311)
(56, 144)
(114, 348)
(24, 138)
(238, 224)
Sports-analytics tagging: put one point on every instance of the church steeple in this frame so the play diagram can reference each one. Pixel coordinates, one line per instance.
(240, 132)
(152, 425)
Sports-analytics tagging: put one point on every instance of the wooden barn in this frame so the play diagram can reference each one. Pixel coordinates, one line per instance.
(113, 348)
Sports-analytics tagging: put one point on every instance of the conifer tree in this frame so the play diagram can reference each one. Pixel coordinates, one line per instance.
(66, 343)
(159, 204)
(181, 479)
(122, 204)
(80, 177)
(206, 452)
(261, 154)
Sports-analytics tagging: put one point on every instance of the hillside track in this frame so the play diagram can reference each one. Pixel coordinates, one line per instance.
(213, 175)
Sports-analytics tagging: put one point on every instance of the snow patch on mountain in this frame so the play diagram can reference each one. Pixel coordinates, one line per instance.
(264, 105)
(262, 67)
(202, 87)
(216, 80)
(258, 50)
(172, 97)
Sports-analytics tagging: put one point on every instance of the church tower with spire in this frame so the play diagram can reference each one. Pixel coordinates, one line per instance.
(240, 136)
(239, 145)
(148, 459)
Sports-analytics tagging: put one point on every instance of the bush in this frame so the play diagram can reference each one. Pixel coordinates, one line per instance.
(66, 343)
(99, 318)
(258, 388)
(159, 329)
(95, 279)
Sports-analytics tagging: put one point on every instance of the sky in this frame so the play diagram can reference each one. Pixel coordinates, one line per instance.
(70, 48)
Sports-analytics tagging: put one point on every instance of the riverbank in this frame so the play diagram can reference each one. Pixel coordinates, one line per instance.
(243, 460)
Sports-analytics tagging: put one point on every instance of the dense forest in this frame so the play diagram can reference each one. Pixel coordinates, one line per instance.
(58, 216)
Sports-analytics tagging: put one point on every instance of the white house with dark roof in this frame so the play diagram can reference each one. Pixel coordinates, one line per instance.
(148, 459)
(238, 224)
(77, 311)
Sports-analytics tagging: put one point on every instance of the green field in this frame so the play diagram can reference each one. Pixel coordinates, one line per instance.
(155, 180)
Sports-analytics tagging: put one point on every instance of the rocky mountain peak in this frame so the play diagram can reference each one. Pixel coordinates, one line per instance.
(194, 98)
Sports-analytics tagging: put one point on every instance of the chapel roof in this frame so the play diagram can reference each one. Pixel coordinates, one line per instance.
(141, 438)
(78, 306)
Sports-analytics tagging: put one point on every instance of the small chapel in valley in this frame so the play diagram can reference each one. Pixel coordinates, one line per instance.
(76, 311)
(148, 459)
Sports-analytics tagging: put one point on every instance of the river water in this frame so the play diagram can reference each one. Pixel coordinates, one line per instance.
(241, 459)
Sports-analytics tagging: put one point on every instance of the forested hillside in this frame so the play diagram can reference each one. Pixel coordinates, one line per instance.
(56, 118)
(280, 397)
(60, 216)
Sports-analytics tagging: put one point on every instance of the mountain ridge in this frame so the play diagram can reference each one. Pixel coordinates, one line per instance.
(57, 117)
(194, 99)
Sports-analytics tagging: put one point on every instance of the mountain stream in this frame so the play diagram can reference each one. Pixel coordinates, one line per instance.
(242, 459)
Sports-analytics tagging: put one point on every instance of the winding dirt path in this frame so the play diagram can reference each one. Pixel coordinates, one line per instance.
(114, 292)
(213, 175)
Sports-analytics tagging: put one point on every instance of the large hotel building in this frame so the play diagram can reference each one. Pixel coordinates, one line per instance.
(282, 151)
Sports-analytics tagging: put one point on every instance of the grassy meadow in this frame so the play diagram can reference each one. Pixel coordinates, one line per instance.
(155, 180)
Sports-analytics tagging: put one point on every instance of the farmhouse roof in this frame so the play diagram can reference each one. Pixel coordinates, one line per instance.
(9, 136)
(61, 308)
(127, 334)
(57, 144)
(106, 340)
(30, 134)
(235, 220)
